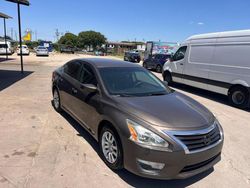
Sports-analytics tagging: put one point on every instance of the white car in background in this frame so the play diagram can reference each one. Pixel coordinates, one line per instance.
(25, 50)
(42, 51)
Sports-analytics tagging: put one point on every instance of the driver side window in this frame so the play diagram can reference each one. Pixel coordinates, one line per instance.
(180, 54)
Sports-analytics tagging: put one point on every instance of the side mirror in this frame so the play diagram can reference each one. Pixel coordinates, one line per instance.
(89, 87)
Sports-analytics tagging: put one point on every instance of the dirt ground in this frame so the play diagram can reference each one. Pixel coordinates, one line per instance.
(40, 148)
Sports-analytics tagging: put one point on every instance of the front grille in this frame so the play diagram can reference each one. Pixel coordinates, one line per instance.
(199, 165)
(200, 141)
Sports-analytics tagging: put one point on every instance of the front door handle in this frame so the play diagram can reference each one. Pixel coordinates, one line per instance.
(74, 91)
(181, 63)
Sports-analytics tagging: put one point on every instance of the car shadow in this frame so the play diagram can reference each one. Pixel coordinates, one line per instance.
(140, 182)
(204, 93)
(81, 131)
(10, 77)
(132, 179)
(3, 59)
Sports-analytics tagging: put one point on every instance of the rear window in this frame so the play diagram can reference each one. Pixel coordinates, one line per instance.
(3, 46)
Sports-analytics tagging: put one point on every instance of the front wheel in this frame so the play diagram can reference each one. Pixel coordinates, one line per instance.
(168, 77)
(145, 65)
(111, 149)
(158, 69)
(239, 97)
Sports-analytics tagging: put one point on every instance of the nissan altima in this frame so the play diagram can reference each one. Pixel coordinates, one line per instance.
(139, 122)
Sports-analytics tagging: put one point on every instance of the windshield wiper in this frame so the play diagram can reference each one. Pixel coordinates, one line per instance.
(125, 95)
(156, 94)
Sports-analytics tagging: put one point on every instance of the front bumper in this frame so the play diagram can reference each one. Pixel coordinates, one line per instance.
(177, 164)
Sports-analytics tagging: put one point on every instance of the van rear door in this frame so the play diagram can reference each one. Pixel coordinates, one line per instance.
(197, 68)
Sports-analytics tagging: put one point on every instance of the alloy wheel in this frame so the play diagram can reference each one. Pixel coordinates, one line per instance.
(109, 147)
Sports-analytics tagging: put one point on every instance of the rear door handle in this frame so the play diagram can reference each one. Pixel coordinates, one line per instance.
(181, 63)
(74, 91)
(60, 79)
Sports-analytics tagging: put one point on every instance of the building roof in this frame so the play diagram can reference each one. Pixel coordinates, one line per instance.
(105, 62)
(2, 15)
(122, 43)
(221, 34)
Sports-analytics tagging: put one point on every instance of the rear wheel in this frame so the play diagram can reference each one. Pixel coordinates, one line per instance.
(56, 100)
(111, 149)
(158, 69)
(239, 97)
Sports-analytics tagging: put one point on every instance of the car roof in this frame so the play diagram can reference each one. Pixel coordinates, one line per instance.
(237, 33)
(106, 62)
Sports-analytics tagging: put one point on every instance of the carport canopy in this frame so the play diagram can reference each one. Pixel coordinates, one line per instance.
(26, 3)
(4, 16)
(22, 2)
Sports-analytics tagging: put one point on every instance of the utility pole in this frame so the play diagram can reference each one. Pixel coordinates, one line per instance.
(57, 35)
(36, 35)
(5, 38)
(11, 31)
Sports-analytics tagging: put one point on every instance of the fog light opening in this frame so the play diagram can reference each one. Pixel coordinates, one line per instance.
(150, 167)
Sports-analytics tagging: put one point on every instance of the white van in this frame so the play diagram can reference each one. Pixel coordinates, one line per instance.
(3, 48)
(218, 62)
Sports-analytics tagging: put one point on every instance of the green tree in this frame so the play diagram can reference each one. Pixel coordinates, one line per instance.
(91, 39)
(69, 39)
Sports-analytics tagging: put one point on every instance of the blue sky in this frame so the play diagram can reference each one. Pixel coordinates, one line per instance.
(163, 20)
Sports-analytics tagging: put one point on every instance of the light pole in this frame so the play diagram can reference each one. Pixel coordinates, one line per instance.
(4, 16)
(26, 3)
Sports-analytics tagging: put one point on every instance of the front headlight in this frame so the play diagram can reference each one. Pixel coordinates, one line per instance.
(144, 136)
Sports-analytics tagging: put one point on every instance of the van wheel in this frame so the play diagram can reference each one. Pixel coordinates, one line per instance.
(158, 69)
(239, 97)
(111, 149)
(145, 65)
(168, 77)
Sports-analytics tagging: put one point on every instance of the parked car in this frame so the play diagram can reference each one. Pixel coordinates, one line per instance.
(67, 49)
(132, 56)
(3, 47)
(42, 51)
(25, 50)
(140, 123)
(156, 62)
(217, 62)
(99, 53)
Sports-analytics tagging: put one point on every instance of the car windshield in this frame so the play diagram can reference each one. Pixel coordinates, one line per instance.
(132, 81)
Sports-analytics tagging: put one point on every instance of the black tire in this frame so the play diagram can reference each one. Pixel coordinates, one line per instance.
(56, 106)
(118, 164)
(239, 97)
(168, 77)
(145, 65)
(158, 69)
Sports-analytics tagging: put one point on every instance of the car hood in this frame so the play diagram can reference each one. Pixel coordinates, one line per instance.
(174, 110)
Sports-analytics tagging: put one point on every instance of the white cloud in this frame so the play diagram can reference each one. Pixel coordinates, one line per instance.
(200, 23)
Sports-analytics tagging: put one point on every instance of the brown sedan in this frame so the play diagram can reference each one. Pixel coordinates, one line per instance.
(140, 123)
